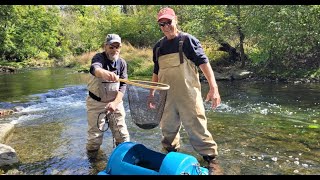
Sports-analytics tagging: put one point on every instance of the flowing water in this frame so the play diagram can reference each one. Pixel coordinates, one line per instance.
(260, 127)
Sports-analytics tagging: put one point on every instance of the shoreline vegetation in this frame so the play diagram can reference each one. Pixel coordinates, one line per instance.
(279, 43)
(140, 64)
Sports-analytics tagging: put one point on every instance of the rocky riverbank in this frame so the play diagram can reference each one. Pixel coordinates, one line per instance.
(7, 69)
(8, 156)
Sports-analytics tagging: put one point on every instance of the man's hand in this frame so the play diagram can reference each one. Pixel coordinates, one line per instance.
(111, 106)
(106, 75)
(150, 102)
(214, 96)
(109, 76)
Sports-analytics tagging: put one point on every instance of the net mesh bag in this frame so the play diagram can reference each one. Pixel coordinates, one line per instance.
(142, 115)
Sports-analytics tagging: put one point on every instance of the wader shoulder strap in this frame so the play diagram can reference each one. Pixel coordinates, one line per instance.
(180, 47)
(157, 50)
(183, 36)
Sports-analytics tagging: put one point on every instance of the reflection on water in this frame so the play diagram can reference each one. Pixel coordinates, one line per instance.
(260, 127)
(263, 128)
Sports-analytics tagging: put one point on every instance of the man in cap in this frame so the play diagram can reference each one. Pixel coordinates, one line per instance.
(177, 56)
(106, 94)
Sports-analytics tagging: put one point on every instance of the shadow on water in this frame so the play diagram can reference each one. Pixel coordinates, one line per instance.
(260, 127)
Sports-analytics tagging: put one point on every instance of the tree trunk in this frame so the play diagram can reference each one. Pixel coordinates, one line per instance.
(124, 9)
(241, 38)
(226, 47)
(233, 54)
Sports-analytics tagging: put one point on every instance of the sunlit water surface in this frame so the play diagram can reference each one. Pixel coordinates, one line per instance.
(260, 127)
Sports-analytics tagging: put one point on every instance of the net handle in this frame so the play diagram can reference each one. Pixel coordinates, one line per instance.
(153, 85)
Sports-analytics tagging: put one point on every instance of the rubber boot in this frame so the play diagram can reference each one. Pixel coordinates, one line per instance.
(213, 166)
(166, 151)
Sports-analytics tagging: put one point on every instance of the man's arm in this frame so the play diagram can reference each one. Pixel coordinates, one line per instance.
(150, 100)
(154, 79)
(105, 74)
(213, 93)
(122, 89)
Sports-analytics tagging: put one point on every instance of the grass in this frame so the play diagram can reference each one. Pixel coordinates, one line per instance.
(139, 60)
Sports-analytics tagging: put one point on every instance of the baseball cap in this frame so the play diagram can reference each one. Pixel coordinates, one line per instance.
(112, 38)
(167, 13)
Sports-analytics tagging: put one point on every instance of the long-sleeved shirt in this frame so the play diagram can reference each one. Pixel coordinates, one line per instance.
(119, 66)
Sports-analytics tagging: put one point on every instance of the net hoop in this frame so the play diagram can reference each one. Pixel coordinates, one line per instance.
(147, 84)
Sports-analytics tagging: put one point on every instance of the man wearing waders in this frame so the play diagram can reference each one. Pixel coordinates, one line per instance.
(105, 95)
(176, 57)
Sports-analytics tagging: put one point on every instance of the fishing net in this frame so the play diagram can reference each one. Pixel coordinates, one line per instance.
(142, 115)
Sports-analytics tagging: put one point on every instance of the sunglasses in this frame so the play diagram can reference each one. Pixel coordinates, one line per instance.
(162, 24)
(112, 47)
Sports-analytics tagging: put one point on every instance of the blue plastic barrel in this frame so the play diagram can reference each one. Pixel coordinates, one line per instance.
(130, 158)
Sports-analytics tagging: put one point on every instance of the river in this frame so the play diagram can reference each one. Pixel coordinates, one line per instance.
(262, 128)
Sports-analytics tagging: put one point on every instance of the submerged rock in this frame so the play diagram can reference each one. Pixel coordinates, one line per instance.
(6, 112)
(8, 155)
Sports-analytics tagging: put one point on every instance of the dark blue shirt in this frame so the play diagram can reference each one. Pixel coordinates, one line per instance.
(191, 48)
(119, 67)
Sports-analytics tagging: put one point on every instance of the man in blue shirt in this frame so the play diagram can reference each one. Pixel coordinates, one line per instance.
(106, 94)
(184, 104)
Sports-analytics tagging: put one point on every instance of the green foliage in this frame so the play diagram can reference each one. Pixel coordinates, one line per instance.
(257, 56)
(140, 28)
(42, 55)
(285, 29)
(28, 31)
(315, 73)
(138, 67)
(276, 37)
(78, 29)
